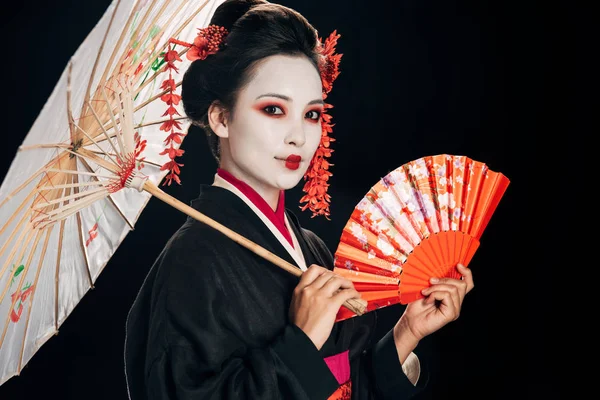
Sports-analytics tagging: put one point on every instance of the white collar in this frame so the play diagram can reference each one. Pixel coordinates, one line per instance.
(295, 251)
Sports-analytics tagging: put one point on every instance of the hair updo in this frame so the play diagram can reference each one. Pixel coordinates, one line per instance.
(257, 29)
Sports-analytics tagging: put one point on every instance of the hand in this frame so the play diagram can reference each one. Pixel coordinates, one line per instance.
(316, 301)
(441, 305)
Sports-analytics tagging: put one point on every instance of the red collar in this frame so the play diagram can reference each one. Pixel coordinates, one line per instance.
(276, 217)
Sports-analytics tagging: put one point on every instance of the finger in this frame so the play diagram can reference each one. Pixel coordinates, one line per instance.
(461, 285)
(467, 276)
(344, 295)
(447, 306)
(312, 273)
(450, 291)
(322, 279)
(336, 283)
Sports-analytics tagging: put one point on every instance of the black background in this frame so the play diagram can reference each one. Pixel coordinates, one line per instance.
(418, 78)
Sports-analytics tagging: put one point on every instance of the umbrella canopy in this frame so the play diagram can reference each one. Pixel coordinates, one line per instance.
(74, 189)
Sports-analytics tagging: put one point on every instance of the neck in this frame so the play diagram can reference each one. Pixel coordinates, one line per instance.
(268, 193)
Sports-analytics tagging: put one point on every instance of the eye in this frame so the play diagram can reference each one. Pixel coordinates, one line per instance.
(314, 115)
(273, 110)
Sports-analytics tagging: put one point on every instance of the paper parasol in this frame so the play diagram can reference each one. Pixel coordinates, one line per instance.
(417, 222)
(88, 166)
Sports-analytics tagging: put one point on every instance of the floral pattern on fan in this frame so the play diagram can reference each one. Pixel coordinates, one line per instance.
(417, 222)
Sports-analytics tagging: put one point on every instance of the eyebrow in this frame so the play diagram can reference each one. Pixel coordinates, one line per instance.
(286, 98)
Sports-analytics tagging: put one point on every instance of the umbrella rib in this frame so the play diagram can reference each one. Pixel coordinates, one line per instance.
(74, 172)
(112, 201)
(118, 132)
(133, 38)
(58, 257)
(156, 38)
(71, 185)
(126, 123)
(69, 112)
(12, 217)
(66, 211)
(96, 143)
(115, 49)
(150, 162)
(45, 146)
(73, 196)
(137, 159)
(191, 17)
(159, 122)
(97, 61)
(31, 178)
(147, 33)
(10, 238)
(56, 279)
(105, 137)
(82, 239)
(106, 133)
(106, 166)
(164, 45)
(8, 281)
(35, 282)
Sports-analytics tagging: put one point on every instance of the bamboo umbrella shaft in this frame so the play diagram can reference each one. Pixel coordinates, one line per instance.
(356, 306)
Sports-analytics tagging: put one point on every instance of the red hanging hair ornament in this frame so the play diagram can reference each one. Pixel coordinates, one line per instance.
(208, 41)
(316, 198)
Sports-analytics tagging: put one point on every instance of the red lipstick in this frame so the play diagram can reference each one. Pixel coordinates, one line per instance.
(293, 161)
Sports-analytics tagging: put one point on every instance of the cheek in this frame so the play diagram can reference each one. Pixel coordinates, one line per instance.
(315, 136)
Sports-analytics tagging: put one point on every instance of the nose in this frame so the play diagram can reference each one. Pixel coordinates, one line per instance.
(296, 134)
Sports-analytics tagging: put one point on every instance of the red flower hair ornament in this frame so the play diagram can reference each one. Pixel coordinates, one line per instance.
(209, 41)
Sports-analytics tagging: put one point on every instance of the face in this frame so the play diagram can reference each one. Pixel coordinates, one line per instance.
(276, 125)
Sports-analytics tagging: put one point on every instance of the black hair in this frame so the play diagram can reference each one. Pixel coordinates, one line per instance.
(257, 29)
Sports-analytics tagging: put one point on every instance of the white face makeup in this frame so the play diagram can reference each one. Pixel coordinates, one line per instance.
(277, 115)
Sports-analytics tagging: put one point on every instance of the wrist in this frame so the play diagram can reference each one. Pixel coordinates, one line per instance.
(405, 340)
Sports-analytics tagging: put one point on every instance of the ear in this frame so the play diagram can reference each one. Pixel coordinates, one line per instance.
(218, 119)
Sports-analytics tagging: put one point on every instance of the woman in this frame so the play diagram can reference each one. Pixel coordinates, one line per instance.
(214, 320)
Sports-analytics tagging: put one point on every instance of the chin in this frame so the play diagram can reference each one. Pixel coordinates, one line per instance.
(290, 181)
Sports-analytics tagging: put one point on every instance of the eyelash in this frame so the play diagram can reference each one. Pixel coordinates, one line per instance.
(313, 119)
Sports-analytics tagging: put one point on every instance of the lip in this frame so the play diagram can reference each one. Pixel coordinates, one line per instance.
(293, 158)
(292, 161)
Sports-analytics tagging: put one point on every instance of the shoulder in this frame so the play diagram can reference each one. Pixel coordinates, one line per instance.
(192, 257)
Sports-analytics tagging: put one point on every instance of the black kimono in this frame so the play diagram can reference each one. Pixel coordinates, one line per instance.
(211, 321)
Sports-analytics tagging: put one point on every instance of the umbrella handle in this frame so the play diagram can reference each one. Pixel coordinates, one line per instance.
(357, 306)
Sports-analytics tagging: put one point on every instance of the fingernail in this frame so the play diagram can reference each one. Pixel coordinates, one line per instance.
(460, 265)
(434, 280)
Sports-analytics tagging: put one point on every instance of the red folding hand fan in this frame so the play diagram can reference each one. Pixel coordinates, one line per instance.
(417, 222)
